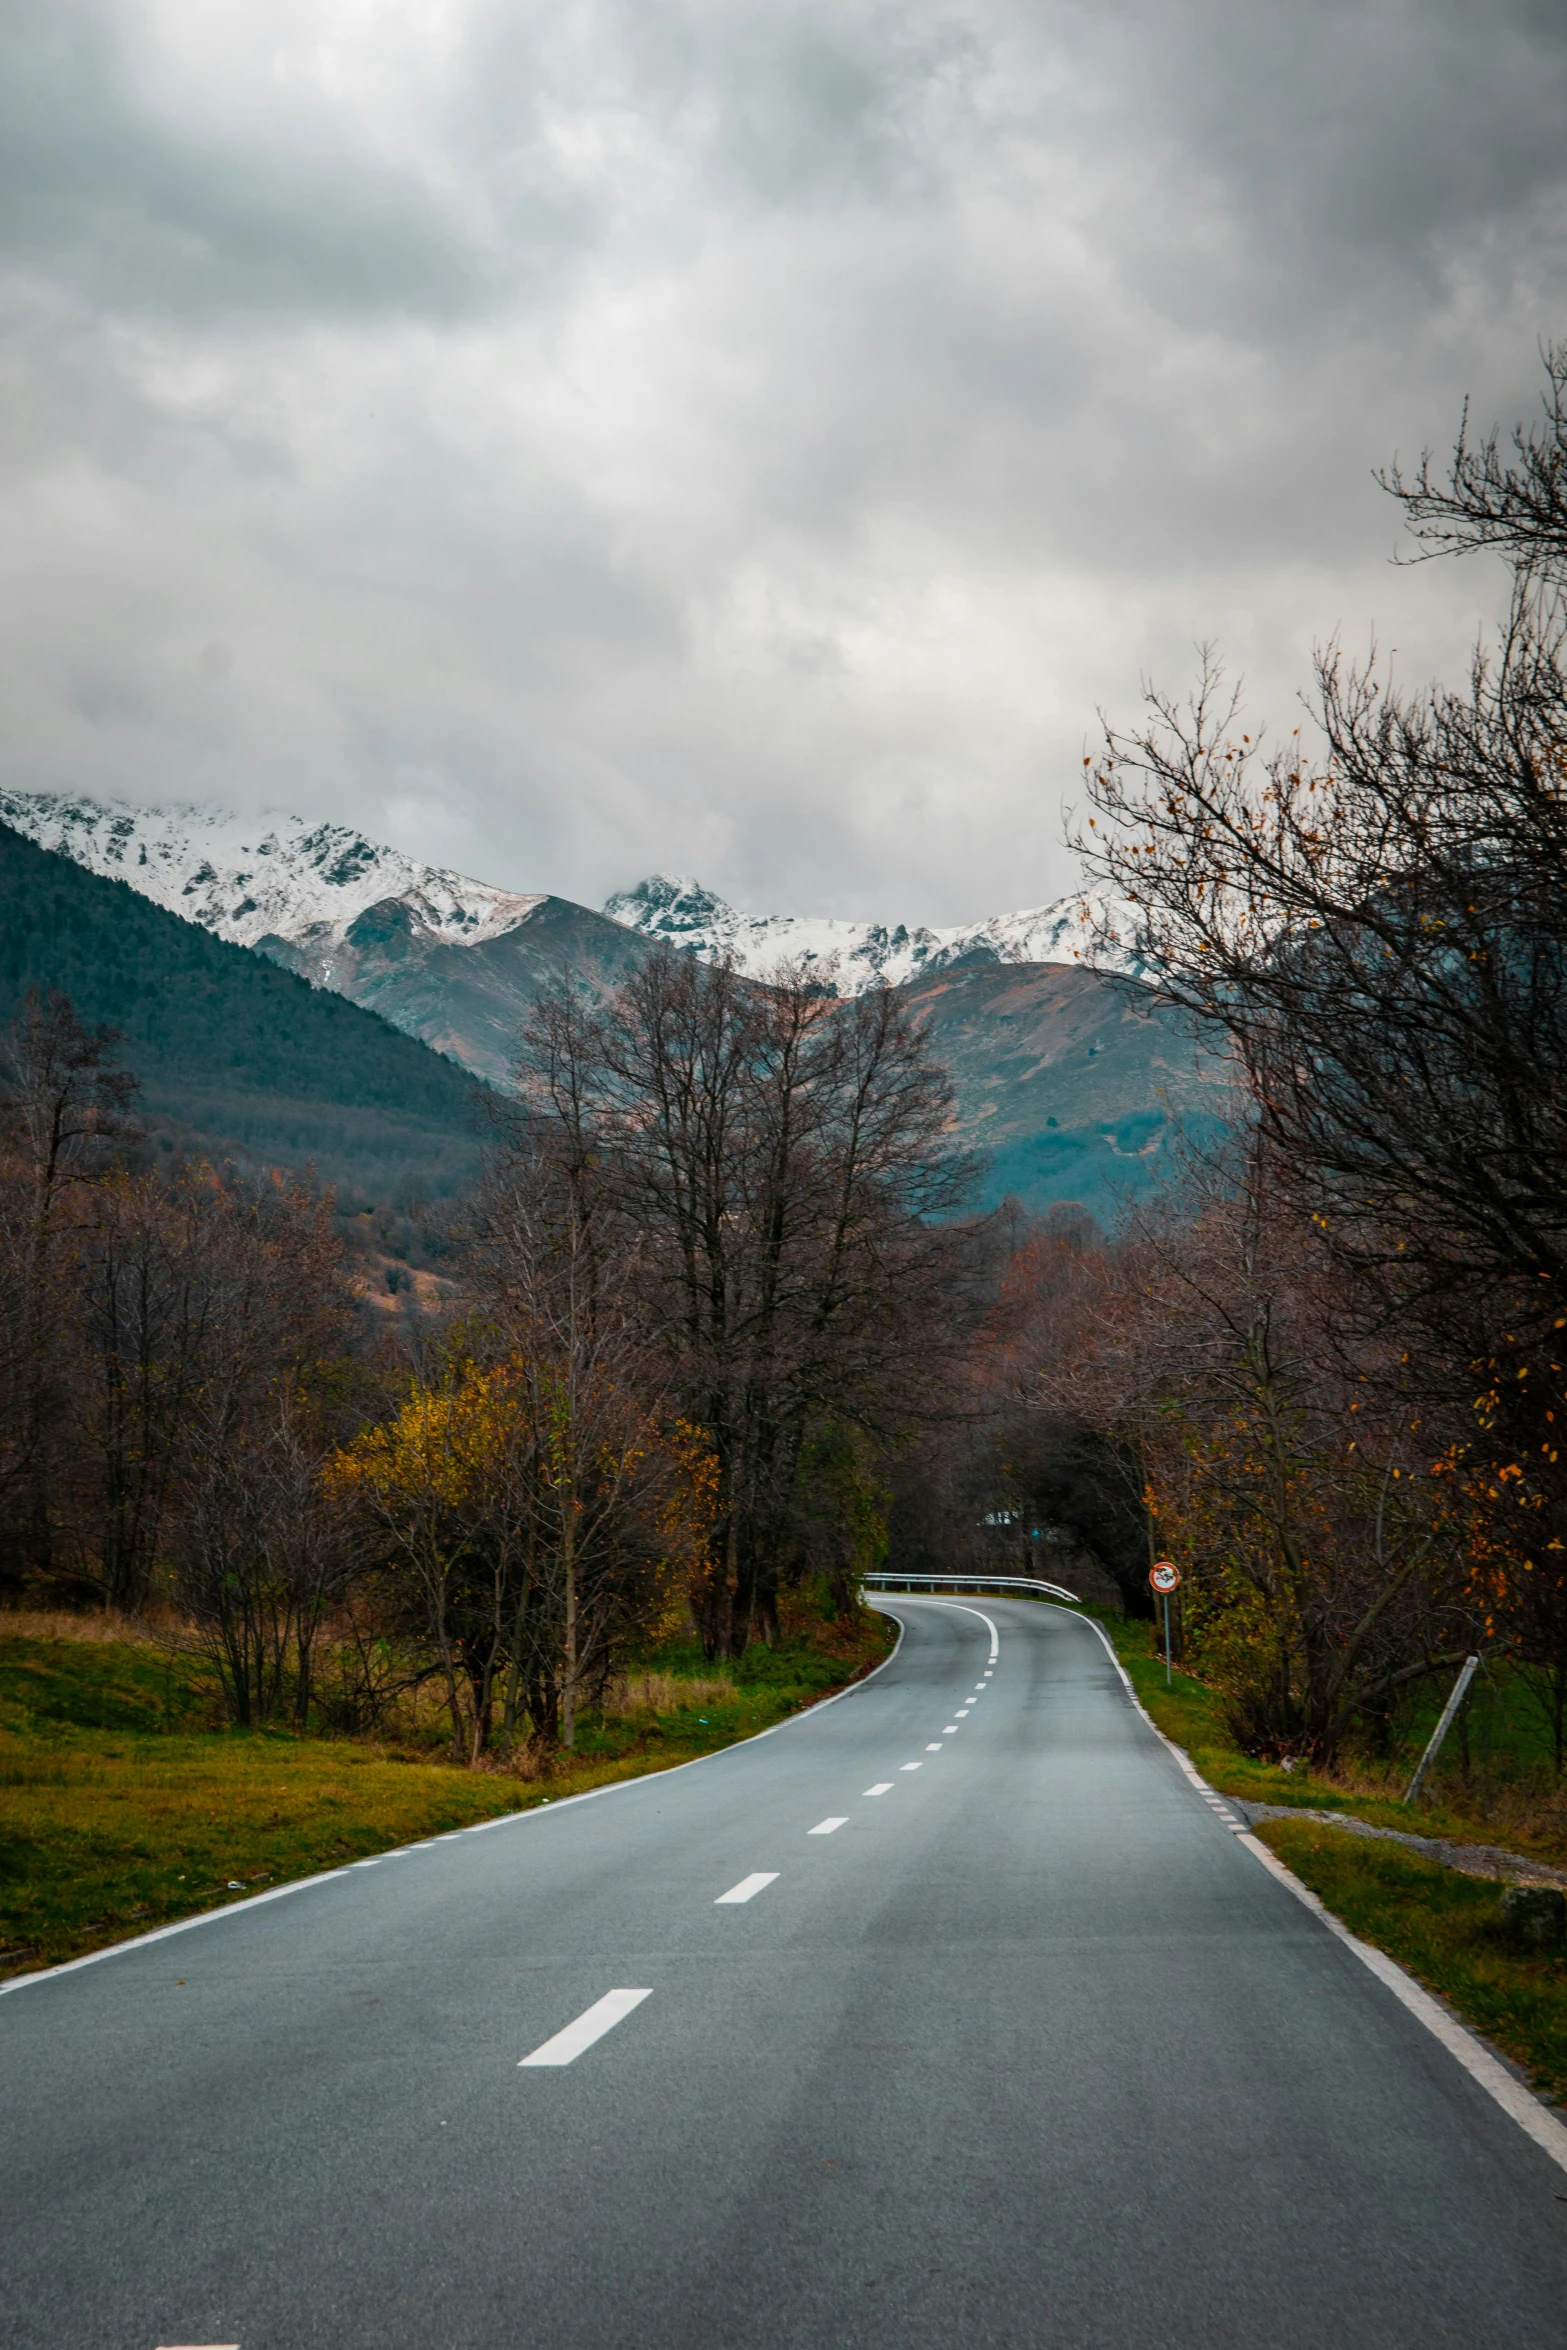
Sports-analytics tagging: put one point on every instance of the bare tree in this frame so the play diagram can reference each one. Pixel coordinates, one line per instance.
(262, 1554)
(1516, 506)
(784, 1161)
(197, 1298)
(63, 1099)
(1379, 935)
(615, 1493)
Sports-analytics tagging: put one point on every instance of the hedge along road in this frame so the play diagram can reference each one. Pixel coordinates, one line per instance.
(950, 2013)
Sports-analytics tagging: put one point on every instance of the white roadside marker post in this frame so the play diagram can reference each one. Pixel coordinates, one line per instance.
(1449, 1712)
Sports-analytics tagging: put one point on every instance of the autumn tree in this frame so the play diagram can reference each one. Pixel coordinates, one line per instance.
(1323, 1565)
(538, 1492)
(1374, 922)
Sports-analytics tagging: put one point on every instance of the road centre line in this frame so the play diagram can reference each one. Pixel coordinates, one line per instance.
(747, 1889)
(566, 2046)
(882, 1787)
(525, 1814)
(934, 1747)
(950, 1731)
(912, 1766)
(957, 1607)
(828, 1827)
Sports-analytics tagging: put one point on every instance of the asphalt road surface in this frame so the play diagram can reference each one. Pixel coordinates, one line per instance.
(1008, 2041)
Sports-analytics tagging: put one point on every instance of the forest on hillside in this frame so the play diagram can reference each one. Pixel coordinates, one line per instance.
(233, 1055)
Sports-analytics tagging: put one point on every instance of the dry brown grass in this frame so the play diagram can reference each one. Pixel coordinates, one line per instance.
(660, 1693)
(69, 1624)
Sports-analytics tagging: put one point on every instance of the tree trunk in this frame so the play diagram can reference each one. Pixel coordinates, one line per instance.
(568, 1711)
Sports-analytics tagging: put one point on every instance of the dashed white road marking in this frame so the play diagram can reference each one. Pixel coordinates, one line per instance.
(912, 1766)
(962, 1713)
(747, 1889)
(827, 1827)
(933, 1748)
(591, 2025)
(950, 1731)
(882, 1787)
(198, 2346)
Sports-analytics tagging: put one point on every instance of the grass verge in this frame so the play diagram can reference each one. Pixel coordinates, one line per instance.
(122, 1806)
(1442, 1926)
(1193, 1715)
(1445, 1928)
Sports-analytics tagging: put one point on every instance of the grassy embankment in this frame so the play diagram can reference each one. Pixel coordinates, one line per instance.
(1441, 1925)
(125, 1802)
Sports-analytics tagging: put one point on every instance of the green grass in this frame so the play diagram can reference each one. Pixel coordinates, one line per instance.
(1445, 1928)
(124, 1805)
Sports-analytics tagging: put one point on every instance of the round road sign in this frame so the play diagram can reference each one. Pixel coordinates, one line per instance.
(1164, 1576)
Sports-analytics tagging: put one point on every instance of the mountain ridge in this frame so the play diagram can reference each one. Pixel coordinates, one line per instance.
(679, 911)
(295, 889)
(1069, 1078)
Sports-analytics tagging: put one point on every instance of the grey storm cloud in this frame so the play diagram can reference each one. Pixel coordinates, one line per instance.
(750, 438)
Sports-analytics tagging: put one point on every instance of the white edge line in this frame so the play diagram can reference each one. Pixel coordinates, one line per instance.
(1511, 2095)
(1518, 2102)
(505, 1819)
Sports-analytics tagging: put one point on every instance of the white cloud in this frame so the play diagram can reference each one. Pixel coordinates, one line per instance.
(742, 438)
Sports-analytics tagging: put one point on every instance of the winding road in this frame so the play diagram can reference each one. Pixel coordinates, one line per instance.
(948, 2015)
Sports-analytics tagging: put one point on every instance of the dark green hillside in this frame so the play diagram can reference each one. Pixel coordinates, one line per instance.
(232, 1052)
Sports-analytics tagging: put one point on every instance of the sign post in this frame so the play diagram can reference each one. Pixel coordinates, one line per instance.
(1164, 1576)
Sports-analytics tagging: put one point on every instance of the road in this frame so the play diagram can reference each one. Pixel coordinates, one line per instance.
(1027, 2051)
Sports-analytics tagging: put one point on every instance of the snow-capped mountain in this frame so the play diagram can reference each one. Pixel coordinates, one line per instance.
(1066, 1085)
(857, 955)
(280, 881)
(251, 879)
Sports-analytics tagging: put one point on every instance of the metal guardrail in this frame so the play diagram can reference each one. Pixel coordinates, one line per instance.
(890, 1582)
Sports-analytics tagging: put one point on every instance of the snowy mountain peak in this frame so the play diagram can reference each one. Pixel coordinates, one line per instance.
(670, 905)
(254, 878)
(857, 955)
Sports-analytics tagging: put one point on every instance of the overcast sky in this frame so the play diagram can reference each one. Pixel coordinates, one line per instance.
(748, 437)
